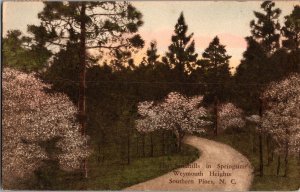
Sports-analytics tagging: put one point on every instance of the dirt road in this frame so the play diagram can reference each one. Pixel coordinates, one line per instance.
(219, 167)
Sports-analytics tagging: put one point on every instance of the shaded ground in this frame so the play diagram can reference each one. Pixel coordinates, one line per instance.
(219, 167)
(247, 143)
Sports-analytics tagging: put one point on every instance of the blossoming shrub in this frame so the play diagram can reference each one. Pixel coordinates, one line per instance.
(176, 112)
(281, 117)
(32, 116)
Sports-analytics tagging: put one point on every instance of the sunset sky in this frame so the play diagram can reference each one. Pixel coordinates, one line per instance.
(206, 19)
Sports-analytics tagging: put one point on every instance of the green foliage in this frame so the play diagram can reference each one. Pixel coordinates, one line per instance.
(100, 25)
(217, 58)
(181, 55)
(152, 55)
(122, 156)
(264, 60)
(250, 75)
(266, 29)
(111, 175)
(291, 30)
(63, 72)
(21, 53)
(215, 68)
(247, 143)
(291, 33)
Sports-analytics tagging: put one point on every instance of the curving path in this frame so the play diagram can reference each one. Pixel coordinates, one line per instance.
(229, 171)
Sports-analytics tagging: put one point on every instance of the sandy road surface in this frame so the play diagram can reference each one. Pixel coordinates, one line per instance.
(219, 167)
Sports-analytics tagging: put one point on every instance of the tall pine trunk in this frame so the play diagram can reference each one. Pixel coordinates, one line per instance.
(163, 143)
(260, 137)
(286, 162)
(143, 145)
(179, 145)
(261, 158)
(128, 147)
(286, 155)
(82, 79)
(137, 146)
(100, 147)
(180, 135)
(151, 145)
(253, 143)
(272, 155)
(268, 150)
(278, 165)
(299, 157)
(216, 103)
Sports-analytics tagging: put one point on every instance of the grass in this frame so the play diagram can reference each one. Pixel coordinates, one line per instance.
(248, 146)
(114, 175)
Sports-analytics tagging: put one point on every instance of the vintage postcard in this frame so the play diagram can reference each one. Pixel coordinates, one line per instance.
(151, 95)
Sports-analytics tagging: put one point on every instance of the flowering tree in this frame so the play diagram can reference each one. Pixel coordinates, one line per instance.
(177, 113)
(255, 119)
(230, 116)
(281, 117)
(31, 116)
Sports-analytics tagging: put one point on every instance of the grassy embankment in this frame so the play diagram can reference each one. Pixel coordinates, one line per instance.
(245, 143)
(113, 174)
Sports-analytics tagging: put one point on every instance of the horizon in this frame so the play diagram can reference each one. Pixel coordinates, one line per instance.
(206, 19)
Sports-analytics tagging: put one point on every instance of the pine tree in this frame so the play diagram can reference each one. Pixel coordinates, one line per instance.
(291, 30)
(181, 55)
(255, 68)
(266, 29)
(151, 69)
(216, 68)
(216, 71)
(88, 25)
(151, 53)
(250, 68)
(21, 53)
(250, 74)
(291, 33)
(218, 60)
(146, 69)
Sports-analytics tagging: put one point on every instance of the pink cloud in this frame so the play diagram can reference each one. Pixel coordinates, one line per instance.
(163, 38)
(235, 44)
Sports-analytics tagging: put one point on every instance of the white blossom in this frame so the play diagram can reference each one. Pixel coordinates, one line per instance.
(254, 119)
(281, 117)
(230, 116)
(177, 113)
(30, 116)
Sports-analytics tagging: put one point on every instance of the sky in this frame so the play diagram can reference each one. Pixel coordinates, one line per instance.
(229, 20)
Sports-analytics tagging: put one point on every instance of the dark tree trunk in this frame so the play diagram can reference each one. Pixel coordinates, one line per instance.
(216, 103)
(272, 155)
(253, 143)
(299, 158)
(99, 153)
(268, 150)
(179, 144)
(82, 84)
(261, 158)
(163, 143)
(128, 147)
(179, 141)
(143, 145)
(151, 145)
(100, 147)
(286, 162)
(137, 146)
(278, 165)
